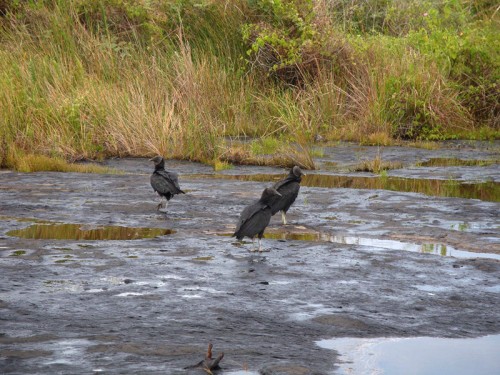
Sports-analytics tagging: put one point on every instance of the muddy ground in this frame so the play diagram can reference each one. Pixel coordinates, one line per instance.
(151, 305)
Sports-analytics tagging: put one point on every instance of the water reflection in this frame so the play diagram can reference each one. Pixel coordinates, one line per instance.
(487, 191)
(432, 248)
(462, 227)
(417, 355)
(428, 248)
(79, 232)
(302, 236)
(382, 244)
(203, 259)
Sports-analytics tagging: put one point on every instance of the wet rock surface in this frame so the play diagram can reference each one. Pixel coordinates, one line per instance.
(150, 305)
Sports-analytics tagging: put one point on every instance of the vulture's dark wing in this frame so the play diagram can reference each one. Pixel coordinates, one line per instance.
(162, 185)
(247, 219)
(166, 181)
(257, 223)
(174, 178)
(281, 183)
(289, 191)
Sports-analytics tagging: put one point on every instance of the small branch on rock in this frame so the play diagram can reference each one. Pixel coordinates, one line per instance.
(209, 364)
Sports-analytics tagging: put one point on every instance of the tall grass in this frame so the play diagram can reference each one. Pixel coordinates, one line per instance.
(70, 92)
(85, 79)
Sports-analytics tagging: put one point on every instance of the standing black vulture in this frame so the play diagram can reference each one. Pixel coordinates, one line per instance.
(165, 183)
(255, 218)
(289, 189)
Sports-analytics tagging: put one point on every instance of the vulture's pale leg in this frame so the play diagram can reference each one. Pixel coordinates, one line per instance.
(253, 250)
(283, 217)
(261, 250)
(162, 207)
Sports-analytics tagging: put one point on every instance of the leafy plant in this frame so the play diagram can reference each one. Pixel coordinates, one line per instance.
(286, 42)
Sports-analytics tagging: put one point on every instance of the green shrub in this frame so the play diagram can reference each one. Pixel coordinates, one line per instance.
(418, 101)
(286, 43)
(470, 59)
(398, 18)
(476, 73)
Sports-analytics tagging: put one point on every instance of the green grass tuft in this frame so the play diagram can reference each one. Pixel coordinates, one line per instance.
(41, 163)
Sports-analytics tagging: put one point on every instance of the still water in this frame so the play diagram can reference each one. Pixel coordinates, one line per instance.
(81, 232)
(375, 244)
(416, 356)
(484, 190)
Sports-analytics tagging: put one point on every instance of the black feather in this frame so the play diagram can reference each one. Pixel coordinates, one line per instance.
(255, 218)
(289, 189)
(165, 183)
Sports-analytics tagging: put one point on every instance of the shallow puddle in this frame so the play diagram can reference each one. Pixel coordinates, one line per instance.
(418, 355)
(466, 226)
(296, 236)
(203, 259)
(80, 232)
(487, 191)
(427, 248)
(382, 244)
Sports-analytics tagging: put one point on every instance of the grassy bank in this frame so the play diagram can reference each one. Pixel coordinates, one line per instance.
(89, 79)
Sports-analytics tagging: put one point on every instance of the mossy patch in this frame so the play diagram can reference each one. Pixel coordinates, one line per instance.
(18, 253)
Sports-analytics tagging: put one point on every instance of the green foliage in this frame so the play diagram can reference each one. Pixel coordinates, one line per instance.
(470, 58)
(266, 145)
(126, 18)
(407, 109)
(361, 16)
(222, 165)
(398, 18)
(476, 73)
(421, 107)
(286, 42)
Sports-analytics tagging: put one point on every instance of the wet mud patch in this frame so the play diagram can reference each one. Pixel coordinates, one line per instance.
(24, 354)
(289, 369)
(341, 321)
(145, 349)
(125, 306)
(5, 339)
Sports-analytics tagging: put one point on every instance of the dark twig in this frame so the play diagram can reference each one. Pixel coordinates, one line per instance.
(209, 364)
